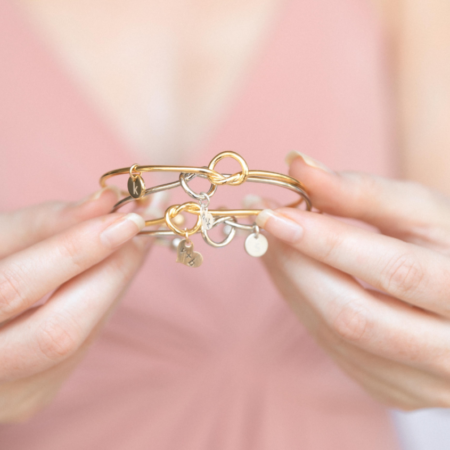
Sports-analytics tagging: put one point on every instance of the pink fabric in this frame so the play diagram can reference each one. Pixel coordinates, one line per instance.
(209, 358)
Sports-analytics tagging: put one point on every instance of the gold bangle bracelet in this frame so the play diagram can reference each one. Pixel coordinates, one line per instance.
(256, 244)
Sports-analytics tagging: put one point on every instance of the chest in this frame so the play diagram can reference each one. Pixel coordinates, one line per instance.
(160, 72)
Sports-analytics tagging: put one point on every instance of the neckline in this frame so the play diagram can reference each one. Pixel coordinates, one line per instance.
(62, 70)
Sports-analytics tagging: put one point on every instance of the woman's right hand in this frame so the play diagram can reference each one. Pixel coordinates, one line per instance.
(86, 257)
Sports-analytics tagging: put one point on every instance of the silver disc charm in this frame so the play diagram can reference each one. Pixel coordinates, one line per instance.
(136, 186)
(256, 245)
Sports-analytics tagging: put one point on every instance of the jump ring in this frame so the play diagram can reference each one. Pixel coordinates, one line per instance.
(134, 174)
(185, 177)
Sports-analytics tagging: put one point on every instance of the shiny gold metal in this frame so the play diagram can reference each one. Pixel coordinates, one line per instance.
(136, 185)
(173, 218)
(186, 254)
(173, 211)
(233, 180)
(209, 172)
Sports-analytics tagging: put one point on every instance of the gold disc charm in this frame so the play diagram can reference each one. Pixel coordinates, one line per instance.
(186, 254)
(136, 185)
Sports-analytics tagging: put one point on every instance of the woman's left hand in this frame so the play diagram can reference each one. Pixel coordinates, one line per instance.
(391, 335)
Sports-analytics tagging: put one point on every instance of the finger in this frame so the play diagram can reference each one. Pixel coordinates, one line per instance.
(24, 227)
(416, 387)
(393, 383)
(378, 390)
(26, 276)
(411, 273)
(395, 207)
(387, 328)
(55, 331)
(397, 384)
(387, 380)
(23, 398)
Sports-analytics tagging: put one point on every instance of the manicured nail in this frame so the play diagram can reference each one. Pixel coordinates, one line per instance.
(96, 195)
(280, 226)
(311, 162)
(122, 230)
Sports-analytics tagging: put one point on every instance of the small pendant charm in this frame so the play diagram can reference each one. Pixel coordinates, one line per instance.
(136, 186)
(207, 220)
(256, 244)
(186, 254)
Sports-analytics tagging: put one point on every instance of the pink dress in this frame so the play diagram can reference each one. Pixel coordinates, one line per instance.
(209, 358)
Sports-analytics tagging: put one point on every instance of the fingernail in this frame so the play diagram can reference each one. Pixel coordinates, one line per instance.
(96, 195)
(252, 201)
(122, 230)
(311, 162)
(280, 226)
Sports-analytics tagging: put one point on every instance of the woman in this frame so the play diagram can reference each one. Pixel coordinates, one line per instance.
(214, 359)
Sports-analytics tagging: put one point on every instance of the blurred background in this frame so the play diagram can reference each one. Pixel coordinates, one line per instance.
(87, 86)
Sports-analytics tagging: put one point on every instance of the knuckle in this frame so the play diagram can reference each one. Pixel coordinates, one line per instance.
(402, 275)
(57, 339)
(11, 296)
(124, 263)
(121, 269)
(333, 243)
(351, 323)
(366, 186)
(69, 247)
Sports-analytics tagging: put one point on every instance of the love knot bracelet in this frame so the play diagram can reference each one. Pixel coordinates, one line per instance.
(256, 244)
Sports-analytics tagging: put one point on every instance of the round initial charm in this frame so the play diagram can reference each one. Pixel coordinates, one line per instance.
(256, 245)
(136, 186)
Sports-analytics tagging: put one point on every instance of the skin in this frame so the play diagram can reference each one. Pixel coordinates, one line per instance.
(393, 341)
(390, 333)
(161, 72)
(87, 258)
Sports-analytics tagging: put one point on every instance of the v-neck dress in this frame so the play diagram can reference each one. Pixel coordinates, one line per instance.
(210, 358)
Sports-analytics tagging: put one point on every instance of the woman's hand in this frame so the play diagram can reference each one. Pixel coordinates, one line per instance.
(83, 255)
(393, 338)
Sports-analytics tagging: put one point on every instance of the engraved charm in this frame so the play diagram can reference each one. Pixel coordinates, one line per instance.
(136, 186)
(187, 256)
(207, 220)
(206, 216)
(256, 245)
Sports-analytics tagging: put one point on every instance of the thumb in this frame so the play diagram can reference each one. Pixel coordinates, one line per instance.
(394, 207)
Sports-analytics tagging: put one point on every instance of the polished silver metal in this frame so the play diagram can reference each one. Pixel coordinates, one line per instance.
(150, 191)
(229, 237)
(188, 177)
(207, 218)
(184, 184)
(256, 245)
(240, 226)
